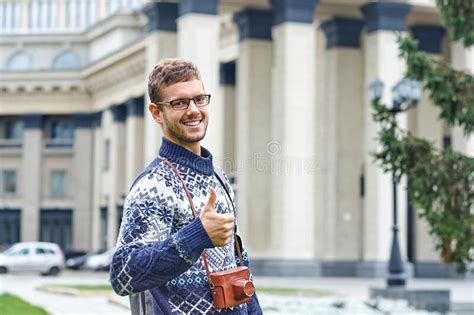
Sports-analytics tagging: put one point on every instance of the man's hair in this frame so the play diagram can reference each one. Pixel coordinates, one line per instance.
(167, 72)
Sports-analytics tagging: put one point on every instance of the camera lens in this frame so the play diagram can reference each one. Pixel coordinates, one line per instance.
(242, 288)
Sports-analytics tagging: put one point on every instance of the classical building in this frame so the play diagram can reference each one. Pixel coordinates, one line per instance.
(290, 121)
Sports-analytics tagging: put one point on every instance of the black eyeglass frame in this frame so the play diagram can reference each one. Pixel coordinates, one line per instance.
(188, 101)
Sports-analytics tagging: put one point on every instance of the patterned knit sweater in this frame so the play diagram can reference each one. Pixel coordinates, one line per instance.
(160, 243)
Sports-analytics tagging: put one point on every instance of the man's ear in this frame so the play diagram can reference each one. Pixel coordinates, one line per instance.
(155, 112)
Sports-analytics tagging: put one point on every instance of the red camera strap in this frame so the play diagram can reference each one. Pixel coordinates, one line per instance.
(188, 195)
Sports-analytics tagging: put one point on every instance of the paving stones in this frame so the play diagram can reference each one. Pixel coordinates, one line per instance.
(272, 304)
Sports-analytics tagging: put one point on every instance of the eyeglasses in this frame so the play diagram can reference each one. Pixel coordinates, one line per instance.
(183, 103)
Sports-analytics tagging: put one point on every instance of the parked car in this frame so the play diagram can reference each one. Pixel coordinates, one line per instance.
(100, 261)
(43, 257)
(78, 262)
(73, 253)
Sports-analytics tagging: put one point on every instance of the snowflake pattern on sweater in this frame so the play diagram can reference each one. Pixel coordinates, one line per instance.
(160, 242)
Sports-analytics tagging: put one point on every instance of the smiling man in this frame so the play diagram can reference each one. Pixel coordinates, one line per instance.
(162, 238)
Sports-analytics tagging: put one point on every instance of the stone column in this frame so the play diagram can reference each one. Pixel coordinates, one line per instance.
(97, 182)
(292, 148)
(31, 177)
(134, 126)
(25, 14)
(345, 107)
(227, 81)
(428, 126)
(82, 179)
(198, 41)
(381, 62)
(118, 148)
(462, 59)
(253, 123)
(103, 9)
(62, 14)
(161, 43)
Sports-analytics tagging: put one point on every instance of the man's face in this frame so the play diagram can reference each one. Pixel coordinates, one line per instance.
(185, 127)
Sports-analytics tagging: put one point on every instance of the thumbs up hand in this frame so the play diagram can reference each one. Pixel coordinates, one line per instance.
(218, 226)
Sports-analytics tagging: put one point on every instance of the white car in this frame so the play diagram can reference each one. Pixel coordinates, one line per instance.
(100, 261)
(46, 258)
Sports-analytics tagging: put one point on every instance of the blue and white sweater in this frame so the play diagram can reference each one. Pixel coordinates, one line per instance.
(160, 243)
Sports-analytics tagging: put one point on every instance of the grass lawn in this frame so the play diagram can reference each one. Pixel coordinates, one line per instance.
(85, 287)
(13, 305)
(81, 289)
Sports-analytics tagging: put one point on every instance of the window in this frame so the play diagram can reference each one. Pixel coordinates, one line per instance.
(59, 132)
(24, 251)
(13, 129)
(56, 227)
(9, 184)
(21, 61)
(58, 183)
(62, 129)
(40, 251)
(67, 61)
(103, 224)
(9, 227)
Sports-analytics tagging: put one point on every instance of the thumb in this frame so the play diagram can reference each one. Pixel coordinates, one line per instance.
(211, 202)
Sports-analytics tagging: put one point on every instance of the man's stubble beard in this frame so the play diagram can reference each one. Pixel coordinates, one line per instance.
(177, 132)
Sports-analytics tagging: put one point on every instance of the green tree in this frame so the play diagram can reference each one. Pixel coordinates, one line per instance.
(441, 183)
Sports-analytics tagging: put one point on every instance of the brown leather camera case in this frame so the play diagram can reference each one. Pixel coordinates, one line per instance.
(231, 287)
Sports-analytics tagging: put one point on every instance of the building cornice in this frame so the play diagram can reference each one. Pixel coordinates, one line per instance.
(52, 103)
(42, 38)
(128, 61)
(41, 81)
(112, 23)
(85, 89)
(115, 57)
(106, 75)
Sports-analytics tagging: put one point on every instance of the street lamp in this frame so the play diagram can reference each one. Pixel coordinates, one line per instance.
(405, 94)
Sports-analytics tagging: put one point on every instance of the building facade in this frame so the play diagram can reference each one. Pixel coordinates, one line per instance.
(290, 121)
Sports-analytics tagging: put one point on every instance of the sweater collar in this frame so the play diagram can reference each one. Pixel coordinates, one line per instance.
(179, 155)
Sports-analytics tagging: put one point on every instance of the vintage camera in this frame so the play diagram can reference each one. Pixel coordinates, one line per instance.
(231, 287)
